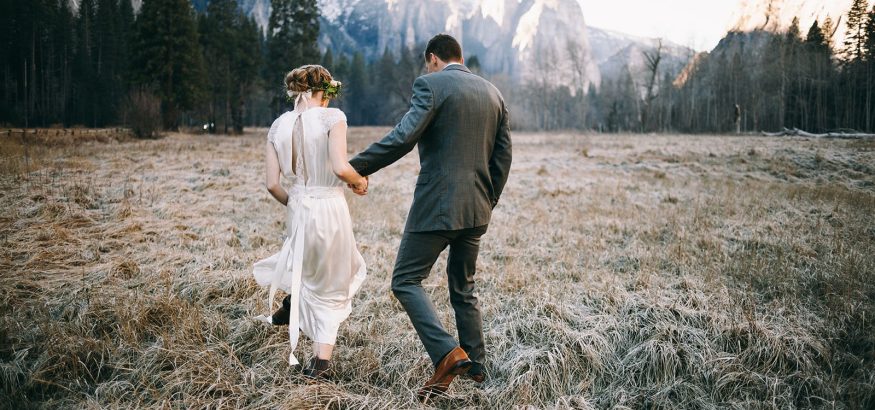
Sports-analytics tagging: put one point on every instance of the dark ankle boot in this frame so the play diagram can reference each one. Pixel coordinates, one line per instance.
(317, 368)
(281, 316)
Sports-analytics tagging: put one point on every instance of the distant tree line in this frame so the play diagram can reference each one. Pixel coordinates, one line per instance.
(792, 80)
(181, 63)
(750, 82)
(103, 65)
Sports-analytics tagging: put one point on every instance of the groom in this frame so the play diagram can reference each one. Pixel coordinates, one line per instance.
(460, 123)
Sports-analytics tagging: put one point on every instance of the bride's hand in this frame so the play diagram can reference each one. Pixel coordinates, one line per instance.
(360, 188)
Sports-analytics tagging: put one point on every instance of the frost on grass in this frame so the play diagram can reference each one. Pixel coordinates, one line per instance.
(618, 271)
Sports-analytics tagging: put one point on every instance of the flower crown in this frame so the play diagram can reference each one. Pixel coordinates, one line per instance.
(331, 88)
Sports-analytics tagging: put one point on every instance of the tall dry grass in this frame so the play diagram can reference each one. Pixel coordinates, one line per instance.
(619, 271)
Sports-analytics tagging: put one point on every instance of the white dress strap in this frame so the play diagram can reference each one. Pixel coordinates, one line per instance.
(288, 275)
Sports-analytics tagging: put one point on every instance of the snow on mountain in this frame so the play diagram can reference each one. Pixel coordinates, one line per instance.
(524, 39)
(538, 40)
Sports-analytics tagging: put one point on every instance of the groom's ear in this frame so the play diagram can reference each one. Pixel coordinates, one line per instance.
(434, 59)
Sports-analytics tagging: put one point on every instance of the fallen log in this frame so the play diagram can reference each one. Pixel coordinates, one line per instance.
(796, 132)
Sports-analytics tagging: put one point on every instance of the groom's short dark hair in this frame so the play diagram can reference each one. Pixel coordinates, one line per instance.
(445, 47)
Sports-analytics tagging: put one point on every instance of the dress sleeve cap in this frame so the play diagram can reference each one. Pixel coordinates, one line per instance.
(271, 133)
(334, 116)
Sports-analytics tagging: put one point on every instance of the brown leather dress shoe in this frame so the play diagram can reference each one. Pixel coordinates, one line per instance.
(453, 364)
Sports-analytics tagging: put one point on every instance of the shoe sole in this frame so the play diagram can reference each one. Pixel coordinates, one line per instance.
(477, 379)
(316, 380)
(426, 392)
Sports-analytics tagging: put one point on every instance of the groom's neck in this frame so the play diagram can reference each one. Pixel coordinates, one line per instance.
(444, 65)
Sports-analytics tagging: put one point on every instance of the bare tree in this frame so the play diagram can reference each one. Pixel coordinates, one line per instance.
(653, 59)
(578, 68)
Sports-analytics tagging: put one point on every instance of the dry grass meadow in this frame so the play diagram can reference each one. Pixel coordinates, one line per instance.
(619, 271)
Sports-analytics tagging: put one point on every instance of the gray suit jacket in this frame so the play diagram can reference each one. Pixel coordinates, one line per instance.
(460, 123)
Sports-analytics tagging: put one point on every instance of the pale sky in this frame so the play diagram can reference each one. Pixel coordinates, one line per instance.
(699, 24)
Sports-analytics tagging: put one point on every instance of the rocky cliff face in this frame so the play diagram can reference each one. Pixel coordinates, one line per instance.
(618, 53)
(523, 39)
(530, 40)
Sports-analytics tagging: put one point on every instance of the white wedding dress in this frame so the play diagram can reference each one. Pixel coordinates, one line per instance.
(319, 264)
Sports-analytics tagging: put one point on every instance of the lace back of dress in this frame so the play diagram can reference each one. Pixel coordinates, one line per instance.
(299, 165)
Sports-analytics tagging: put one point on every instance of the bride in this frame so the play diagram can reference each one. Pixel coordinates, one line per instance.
(318, 266)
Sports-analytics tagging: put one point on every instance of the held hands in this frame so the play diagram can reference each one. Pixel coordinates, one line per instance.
(360, 188)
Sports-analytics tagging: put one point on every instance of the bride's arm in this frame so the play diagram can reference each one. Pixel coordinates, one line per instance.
(337, 156)
(272, 177)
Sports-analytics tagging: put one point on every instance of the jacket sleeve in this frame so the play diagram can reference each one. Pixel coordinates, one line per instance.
(403, 137)
(499, 162)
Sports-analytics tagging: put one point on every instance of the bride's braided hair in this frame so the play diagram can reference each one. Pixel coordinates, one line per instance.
(307, 77)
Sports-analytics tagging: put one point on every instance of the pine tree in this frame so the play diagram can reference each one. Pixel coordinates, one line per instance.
(230, 42)
(828, 29)
(84, 76)
(167, 56)
(357, 90)
(852, 97)
(855, 39)
(126, 34)
(793, 73)
(64, 65)
(340, 71)
(794, 32)
(815, 39)
(246, 67)
(869, 36)
(773, 82)
(108, 63)
(473, 64)
(384, 72)
(216, 28)
(305, 14)
(293, 29)
(868, 105)
(328, 60)
(61, 77)
(406, 71)
(818, 78)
